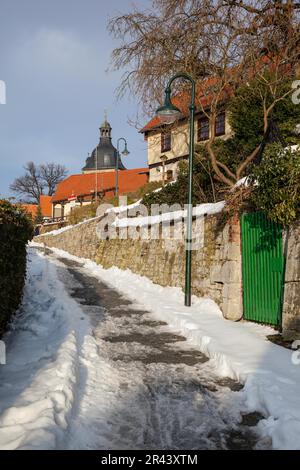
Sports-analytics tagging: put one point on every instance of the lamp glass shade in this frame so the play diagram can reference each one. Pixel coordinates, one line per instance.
(168, 113)
(125, 151)
(167, 116)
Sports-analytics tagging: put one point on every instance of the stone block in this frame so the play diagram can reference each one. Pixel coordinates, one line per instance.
(231, 272)
(232, 309)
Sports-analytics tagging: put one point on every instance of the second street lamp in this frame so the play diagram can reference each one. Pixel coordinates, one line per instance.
(168, 113)
(125, 153)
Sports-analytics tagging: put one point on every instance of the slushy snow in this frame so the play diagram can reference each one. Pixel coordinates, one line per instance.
(238, 350)
(51, 343)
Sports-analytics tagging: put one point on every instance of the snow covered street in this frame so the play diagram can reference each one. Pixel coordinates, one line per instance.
(88, 368)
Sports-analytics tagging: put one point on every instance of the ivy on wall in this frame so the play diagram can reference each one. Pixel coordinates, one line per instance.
(276, 184)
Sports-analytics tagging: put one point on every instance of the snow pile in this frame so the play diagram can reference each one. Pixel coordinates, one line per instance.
(38, 383)
(238, 350)
(67, 228)
(241, 182)
(56, 231)
(116, 210)
(198, 211)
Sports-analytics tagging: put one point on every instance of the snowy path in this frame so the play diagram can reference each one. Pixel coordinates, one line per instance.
(88, 369)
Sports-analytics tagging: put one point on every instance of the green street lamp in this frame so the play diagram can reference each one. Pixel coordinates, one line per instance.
(168, 113)
(125, 153)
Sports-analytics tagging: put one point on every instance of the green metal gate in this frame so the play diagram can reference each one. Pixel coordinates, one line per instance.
(263, 268)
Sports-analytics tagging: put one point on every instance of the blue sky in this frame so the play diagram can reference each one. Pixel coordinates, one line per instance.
(54, 56)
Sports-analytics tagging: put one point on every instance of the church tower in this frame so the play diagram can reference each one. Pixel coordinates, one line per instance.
(104, 156)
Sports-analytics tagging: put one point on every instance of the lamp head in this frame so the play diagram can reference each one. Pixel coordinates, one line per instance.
(168, 113)
(125, 151)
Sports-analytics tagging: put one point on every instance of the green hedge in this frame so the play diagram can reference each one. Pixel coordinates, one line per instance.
(15, 230)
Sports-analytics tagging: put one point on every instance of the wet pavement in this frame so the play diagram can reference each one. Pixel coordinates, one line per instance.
(169, 395)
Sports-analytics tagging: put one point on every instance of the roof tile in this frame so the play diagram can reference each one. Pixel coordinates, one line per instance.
(84, 184)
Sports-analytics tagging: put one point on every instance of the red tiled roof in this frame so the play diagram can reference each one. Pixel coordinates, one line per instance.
(84, 184)
(46, 206)
(182, 101)
(204, 98)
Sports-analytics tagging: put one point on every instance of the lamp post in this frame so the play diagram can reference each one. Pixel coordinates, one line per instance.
(96, 175)
(168, 113)
(125, 153)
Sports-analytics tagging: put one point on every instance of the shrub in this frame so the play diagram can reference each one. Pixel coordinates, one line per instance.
(114, 200)
(205, 189)
(148, 188)
(81, 213)
(276, 184)
(15, 230)
(39, 216)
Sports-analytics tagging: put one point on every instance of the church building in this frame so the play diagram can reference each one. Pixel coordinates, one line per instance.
(98, 178)
(104, 157)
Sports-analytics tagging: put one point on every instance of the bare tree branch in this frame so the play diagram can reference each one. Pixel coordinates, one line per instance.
(38, 179)
(221, 44)
(51, 175)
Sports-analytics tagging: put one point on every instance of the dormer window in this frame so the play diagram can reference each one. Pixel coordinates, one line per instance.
(165, 142)
(220, 124)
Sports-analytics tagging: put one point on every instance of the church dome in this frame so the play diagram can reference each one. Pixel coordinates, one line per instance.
(104, 156)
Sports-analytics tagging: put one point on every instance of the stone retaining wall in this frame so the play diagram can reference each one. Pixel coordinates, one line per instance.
(216, 269)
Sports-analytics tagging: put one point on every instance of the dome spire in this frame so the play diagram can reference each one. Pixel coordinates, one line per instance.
(105, 128)
(105, 153)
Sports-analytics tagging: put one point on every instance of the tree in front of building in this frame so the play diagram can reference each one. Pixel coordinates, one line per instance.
(223, 45)
(247, 124)
(246, 121)
(38, 180)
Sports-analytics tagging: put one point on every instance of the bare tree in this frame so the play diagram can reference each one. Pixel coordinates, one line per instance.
(51, 175)
(38, 179)
(29, 185)
(221, 44)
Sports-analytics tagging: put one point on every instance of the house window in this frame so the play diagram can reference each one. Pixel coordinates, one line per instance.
(169, 175)
(203, 129)
(220, 124)
(165, 142)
